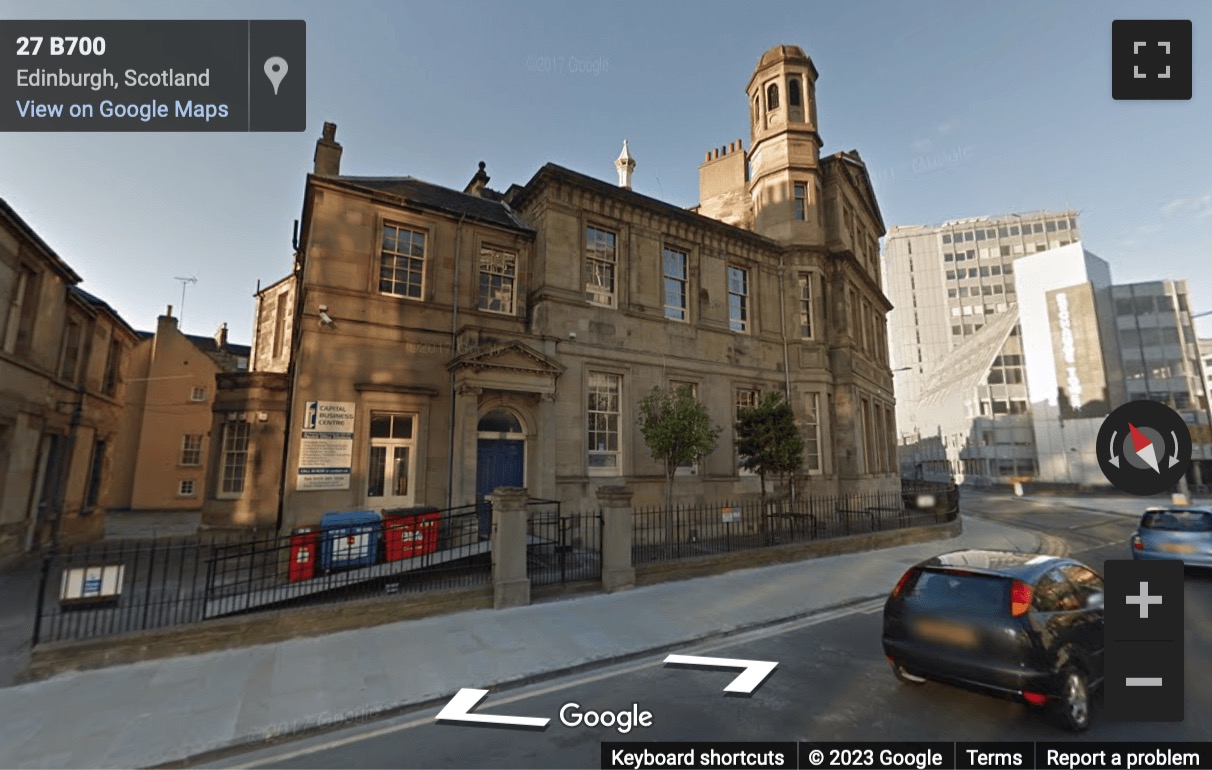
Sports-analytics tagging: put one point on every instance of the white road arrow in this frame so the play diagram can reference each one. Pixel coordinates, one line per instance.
(460, 706)
(755, 672)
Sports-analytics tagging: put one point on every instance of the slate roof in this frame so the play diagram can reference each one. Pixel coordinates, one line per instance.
(103, 306)
(23, 227)
(520, 195)
(491, 209)
(207, 345)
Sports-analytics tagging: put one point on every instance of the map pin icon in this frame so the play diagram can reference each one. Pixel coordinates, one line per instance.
(275, 70)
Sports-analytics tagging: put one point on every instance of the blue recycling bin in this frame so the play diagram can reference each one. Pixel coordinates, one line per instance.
(349, 539)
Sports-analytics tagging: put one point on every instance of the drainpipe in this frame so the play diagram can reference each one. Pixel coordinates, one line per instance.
(292, 373)
(63, 474)
(786, 354)
(454, 348)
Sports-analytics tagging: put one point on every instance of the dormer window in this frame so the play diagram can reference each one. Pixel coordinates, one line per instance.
(793, 92)
(772, 96)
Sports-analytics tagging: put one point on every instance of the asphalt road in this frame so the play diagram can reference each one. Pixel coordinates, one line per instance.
(832, 683)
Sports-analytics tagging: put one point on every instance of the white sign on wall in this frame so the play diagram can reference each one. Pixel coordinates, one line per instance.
(326, 450)
(1069, 351)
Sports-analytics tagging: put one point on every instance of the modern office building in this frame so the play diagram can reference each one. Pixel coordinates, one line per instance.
(1205, 355)
(956, 340)
(1024, 389)
(1071, 358)
(1161, 358)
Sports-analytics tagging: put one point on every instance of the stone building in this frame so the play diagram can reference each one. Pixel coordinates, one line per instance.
(62, 359)
(431, 344)
(162, 456)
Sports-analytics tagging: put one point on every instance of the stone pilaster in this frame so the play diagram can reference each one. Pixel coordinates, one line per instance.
(463, 479)
(543, 448)
(511, 587)
(618, 573)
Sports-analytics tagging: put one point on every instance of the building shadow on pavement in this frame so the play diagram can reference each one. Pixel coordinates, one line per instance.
(18, 590)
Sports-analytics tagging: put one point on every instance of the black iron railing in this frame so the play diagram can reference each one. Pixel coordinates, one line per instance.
(114, 587)
(661, 534)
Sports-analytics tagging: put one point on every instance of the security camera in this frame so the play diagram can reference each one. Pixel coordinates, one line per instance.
(572, 335)
(325, 318)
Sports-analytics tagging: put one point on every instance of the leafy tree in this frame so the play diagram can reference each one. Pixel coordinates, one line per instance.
(678, 431)
(768, 441)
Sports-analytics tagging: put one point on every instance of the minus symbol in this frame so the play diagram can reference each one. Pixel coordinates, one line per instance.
(1144, 681)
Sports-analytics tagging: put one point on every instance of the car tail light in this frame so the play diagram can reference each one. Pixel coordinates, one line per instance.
(1020, 598)
(1137, 543)
(1035, 698)
(900, 584)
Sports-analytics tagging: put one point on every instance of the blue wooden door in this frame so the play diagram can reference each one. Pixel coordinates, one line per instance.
(498, 464)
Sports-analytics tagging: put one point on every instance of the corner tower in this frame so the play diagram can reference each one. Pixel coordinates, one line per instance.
(784, 159)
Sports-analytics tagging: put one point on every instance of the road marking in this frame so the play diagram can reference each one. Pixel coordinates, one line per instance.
(279, 760)
(460, 706)
(1144, 681)
(754, 674)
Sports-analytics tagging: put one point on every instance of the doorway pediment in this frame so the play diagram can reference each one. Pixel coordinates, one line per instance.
(506, 366)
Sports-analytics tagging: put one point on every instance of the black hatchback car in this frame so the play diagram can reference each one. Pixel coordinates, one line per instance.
(1016, 625)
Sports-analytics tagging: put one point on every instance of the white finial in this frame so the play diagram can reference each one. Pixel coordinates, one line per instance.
(625, 165)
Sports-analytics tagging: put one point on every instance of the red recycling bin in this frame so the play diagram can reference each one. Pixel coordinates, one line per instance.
(304, 547)
(410, 534)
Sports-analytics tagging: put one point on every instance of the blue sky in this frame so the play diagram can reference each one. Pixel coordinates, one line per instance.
(959, 109)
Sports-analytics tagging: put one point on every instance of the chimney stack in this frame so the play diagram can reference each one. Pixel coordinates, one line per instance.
(328, 152)
(221, 337)
(166, 322)
(625, 165)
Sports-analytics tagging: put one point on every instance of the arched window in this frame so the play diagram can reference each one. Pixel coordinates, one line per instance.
(772, 97)
(756, 109)
(793, 92)
(499, 421)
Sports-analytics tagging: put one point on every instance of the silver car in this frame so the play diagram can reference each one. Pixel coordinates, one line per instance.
(1182, 534)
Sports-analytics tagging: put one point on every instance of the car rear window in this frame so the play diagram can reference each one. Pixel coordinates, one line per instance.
(1178, 521)
(962, 591)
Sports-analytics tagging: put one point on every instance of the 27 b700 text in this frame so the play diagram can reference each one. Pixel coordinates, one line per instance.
(62, 46)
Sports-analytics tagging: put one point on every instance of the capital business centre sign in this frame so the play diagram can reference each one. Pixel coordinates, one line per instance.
(1077, 353)
(326, 448)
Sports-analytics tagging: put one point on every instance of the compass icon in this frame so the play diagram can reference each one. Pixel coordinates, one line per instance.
(1144, 447)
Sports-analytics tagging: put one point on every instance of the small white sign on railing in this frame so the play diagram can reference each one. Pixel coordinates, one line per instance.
(91, 584)
(926, 501)
(730, 515)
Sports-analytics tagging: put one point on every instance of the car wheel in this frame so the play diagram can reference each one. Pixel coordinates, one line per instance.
(1073, 706)
(905, 676)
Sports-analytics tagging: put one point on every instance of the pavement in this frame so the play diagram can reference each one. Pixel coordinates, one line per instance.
(155, 712)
